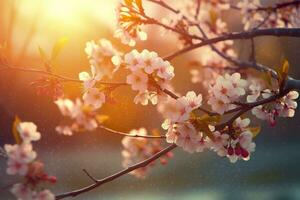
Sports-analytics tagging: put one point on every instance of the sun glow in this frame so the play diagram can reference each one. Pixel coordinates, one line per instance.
(70, 11)
(52, 19)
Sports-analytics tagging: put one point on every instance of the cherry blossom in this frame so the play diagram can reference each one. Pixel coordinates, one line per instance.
(103, 57)
(45, 195)
(138, 80)
(94, 97)
(22, 191)
(232, 90)
(89, 81)
(241, 147)
(19, 156)
(188, 138)
(174, 110)
(84, 116)
(149, 74)
(134, 60)
(283, 107)
(235, 143)
(226, 91)
(21, 161)
(191, 100)
(28, 132)
(16, 167)
(179, 129)
(219, 143)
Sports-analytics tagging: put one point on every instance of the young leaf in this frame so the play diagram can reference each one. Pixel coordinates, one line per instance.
(285, 69)
(255, 131)
(101, 118)
(282, 73)
(15, 130)
(58, 47)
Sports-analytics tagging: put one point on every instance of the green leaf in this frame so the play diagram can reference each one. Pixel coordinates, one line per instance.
(15, 130)
(58, 47)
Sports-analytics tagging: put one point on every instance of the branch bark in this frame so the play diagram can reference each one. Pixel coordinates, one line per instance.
(100, 182)
(278, 32)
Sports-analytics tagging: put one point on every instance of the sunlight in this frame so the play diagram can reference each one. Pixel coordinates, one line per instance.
(73, 11)
(76, 11)
(53, 19)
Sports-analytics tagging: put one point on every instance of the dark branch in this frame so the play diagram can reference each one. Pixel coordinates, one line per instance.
(116, 175)
(278, 32)
(90, 176)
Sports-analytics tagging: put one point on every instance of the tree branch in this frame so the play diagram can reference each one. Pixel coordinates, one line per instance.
(278, 32)
(117, 175)
(280, 5)
(248, 106)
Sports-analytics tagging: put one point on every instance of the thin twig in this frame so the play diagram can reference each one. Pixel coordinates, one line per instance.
(62, 78)
(131, 135)
(89, 175)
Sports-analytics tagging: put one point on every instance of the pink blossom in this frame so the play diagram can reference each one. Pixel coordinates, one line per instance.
(28, 132)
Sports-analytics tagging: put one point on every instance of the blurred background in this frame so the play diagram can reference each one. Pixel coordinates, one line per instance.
(273, 173)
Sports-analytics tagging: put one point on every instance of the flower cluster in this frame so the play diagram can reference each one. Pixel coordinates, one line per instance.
(103, 57)
(179, 129)
(195, 134)
(235, 142)
(21, 161)
(149, 75)
(282, 107)
(226, 91)
(257, 16)
(129, 22)
(105, 61)
(138, 149)
(83, 115)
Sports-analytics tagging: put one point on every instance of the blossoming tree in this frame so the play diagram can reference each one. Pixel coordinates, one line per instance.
(217, 121)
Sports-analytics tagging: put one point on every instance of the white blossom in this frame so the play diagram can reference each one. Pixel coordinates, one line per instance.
(28, 132)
